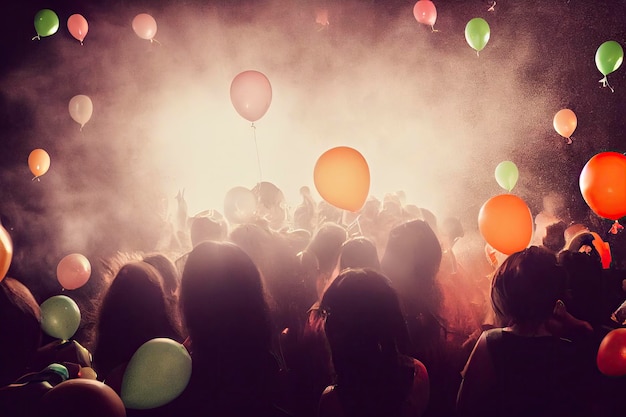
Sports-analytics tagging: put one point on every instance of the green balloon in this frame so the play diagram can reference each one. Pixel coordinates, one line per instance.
(158, 372)
(507, 175)
(609, 57)
(46, 22)
(477, 33)
(60, 317)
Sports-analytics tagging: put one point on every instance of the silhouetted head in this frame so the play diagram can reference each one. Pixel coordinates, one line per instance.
(526, 287)
(223, 302)
(167, 271)
(207, 228)
(326, 244)
(358, 252)
(20, 329)
(133, 311)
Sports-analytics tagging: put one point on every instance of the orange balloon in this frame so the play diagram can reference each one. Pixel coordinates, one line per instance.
(506, 223)
(78, 27)
(603, 184)
(73, 271)
(6, 252)
(611, 358)
(82, 397)
(39, 162)
(342, 177)
(565, 122)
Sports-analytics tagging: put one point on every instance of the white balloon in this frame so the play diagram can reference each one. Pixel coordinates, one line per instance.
(81, 109)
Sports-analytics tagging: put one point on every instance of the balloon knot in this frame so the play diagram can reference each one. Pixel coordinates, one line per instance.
(616, 228)
(493, 7)
(569, 141)
(36, 37)
(605, 83)
(432, 29)
(36, 178)
(478, 54)
(155, 41)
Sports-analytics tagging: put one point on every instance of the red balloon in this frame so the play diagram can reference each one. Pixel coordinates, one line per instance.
(73, 271)
(425, 12)
(611, 358)
(251, 94)
(603, 184)
(78, 27)
(506, 223)
(145, 26)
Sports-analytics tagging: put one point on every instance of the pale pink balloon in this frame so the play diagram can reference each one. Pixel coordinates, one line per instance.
(78, 27)
(81, 109)
(425, 12)
(73, 271)
(145, 26)
(251, 94)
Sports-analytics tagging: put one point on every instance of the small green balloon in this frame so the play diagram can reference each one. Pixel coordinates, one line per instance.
(477, 33)
(157, 373)
(507, 175)
(46, 22)
(609, 57)
(60, 317)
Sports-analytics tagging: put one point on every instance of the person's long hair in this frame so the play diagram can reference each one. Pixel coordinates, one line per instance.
(133, 311)
(365, 326)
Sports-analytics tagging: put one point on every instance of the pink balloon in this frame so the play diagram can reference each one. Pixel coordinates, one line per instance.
(251, 94)
(425, 12)
(145, 26)
(73, 271)
(78, 27)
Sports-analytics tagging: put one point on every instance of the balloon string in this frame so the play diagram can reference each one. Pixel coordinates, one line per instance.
(605, 83)
(36, 37)
(156, 41)
(569, 140)
(493, 7)
(432, 28)
(616, 228)
(36, 178)
(256, 146)
(478, 54)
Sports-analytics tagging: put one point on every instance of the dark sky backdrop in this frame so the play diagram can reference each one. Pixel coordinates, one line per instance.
(430, 116)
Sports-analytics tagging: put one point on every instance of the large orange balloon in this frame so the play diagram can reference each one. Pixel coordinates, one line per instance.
(82, 397)
(342, 177)
(251, 94)
(39, 162)
(6, 252)
(506, 223)
(565, 123)
(603, 184)
(73, 271)
(611, 358)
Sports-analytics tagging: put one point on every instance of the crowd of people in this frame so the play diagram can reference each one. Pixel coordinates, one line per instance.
(319, 312)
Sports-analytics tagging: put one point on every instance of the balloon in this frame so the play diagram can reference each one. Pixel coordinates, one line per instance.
(145, 26)
(565, 123)
(425, 12)
(78, 27)
(603, 184)
(81, 397)
(477, 33)
(609, 57)
(60, 317)
(506, 223)
(342, 177)
(603, 249)
(251, 94)
(39, 162)
(611, 358)
(157, 373)
(46, 23)
(6, 252)
(239, 205)
(507, 175)
(81, 108)
(73, 271)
